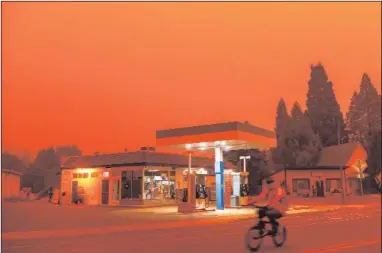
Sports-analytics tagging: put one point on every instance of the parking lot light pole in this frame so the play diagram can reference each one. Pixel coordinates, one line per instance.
(245, 158)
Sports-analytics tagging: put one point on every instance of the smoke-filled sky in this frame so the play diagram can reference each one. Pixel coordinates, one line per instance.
(105, 76)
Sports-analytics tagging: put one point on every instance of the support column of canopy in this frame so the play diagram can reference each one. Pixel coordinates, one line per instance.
(189, 179)
(219, 174)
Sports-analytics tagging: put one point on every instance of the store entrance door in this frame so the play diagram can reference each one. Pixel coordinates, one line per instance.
(320, 188)
(105, 192)
(116, 190)
(74, 191)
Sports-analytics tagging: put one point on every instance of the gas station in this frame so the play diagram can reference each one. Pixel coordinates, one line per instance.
(215, 138)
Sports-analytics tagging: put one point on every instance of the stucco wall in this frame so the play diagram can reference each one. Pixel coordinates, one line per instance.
(10, 185)
(91, 186)
(313, 176)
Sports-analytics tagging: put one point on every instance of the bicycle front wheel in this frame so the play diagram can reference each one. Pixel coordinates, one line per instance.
(280, 237)
(253, 239)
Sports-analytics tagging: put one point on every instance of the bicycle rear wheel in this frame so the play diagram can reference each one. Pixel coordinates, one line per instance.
(253, 239)
(280, 237)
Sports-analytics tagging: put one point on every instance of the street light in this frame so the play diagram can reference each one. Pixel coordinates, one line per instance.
(245, 158)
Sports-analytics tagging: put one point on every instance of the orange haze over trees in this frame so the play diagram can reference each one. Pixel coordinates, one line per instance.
(105, 76)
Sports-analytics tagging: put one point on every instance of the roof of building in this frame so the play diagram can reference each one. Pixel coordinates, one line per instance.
(338, 155)
(331, 158)
(139, 158)
(13, 172)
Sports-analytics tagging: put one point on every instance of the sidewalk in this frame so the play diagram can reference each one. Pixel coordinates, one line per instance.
(336, 200)
(239, 212)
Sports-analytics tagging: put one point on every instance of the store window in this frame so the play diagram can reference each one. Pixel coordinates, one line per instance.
(159, 184)
(301, 185)
(333, 184)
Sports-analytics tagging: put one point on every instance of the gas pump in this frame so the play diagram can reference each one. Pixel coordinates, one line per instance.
(244, 189)
(236, 189)
(201, 191)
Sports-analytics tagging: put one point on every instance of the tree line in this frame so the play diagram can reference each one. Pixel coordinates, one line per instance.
(301, 135)
(44, 170)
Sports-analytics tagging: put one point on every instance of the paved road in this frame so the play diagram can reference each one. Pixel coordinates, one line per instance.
(29, 216)
(344, 230)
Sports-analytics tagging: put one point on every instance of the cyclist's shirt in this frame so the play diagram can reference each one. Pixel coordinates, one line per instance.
(282, 204)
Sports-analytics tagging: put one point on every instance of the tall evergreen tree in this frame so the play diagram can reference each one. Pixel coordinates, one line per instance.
(364, 115)
(282, 118)
(323, 108)
(281, 154)
(305, 143)
(298, 145)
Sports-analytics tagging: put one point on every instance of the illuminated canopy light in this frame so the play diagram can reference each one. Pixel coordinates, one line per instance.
(201, 171)
(188, 146)
(245, 157)
(223, 143)
(105, 174)
(203, 144)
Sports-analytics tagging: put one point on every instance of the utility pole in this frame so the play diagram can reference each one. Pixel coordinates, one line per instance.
(341, 169)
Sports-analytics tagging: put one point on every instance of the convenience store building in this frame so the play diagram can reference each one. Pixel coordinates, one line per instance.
(131, 178)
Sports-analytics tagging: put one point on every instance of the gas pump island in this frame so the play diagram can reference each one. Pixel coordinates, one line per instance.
(217, 137)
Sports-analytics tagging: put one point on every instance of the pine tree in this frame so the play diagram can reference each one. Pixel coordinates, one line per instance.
(323, 108)
(297, 144)
(281, 154)
(364, 115)
(306, 144)
(282, 118)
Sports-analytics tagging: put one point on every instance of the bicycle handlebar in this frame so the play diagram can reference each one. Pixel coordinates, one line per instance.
(261, 207)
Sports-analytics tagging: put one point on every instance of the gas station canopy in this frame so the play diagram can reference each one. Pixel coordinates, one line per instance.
(228, 136)
(218, 137)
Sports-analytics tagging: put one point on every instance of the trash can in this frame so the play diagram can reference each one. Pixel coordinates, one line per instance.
(235, 200)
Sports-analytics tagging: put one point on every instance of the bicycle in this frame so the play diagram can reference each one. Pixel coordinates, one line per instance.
(259, 231)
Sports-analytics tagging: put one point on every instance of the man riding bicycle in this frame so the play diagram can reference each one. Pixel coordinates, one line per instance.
(274, 197)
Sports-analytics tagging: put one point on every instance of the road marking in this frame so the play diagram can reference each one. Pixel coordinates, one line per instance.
(341, 247)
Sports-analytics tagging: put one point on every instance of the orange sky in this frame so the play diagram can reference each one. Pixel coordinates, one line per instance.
(105, 76)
